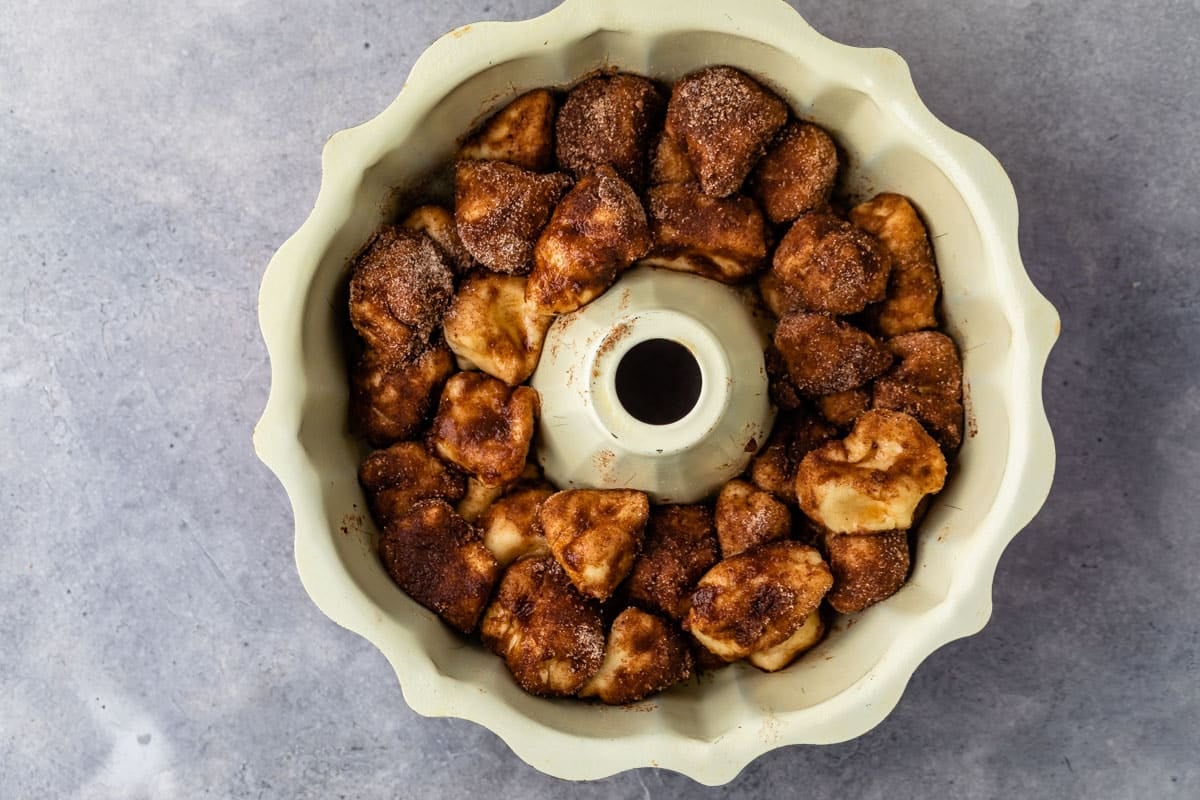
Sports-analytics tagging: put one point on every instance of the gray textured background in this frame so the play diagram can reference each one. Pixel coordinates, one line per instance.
(155, 638)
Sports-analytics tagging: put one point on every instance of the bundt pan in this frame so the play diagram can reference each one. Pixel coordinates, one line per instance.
(709, 728)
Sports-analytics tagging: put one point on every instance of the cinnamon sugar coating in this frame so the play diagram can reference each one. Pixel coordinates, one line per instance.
(439, 560)
(826, 264)
(720, 238)
(725, 120)
(797, 173)
(825, 355)
(926, 382)
(595, 534)
(500, 209)
(747, 516)
(598, 230)
(794, 435)
(391, 401)
(680, 546)
(401, 475)
(609, 120)
(550, 636)
(644, 654)
(757, 599)
(399, 289)
(485, 426)
(866, 568)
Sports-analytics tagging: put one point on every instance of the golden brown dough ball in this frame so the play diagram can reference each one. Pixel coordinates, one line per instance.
(725, 120)
(500, 209)
(797, 174)
(550, 636)
(926, 382)
(794, 435)
(913, 286)
(825, 355)
(400, 287)
(609, 121)
(680, 546)
(806, 637)
(439, 560)
(521, 133)
(438, 224)
(756, 600)
(598, 229)
(401, 475)
(872, 480)
(747, 516)
(491, 327)
(842, 408)
(485, 426)
(510, 526)
(392, 401)
(595, 534)
(720, 238)
(644, 655)
(826, 264)
(867, 568)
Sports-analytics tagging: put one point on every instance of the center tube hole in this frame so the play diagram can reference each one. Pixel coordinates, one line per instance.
(658, 381)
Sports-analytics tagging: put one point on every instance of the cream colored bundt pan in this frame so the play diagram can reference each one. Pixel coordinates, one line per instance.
(713, 727)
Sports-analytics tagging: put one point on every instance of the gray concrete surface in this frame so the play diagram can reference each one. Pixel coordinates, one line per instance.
(155, 639)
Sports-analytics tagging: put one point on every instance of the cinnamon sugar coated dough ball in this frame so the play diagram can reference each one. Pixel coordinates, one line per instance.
(806, 637)
(795, 434)
(926, 382)
(842, 408)
(609, 120)
(913, 287)
(670, 163)
(400, 287)
(510, 527)
(550, 636)
(826, 264)
(724, 119)
(598, 229)
(867, 568)
(521, 133)
(485, 426)
(500, 209)
(438, 224)
(439, 560)
(825, 355)
(595, 534)
(491, 327)
(680, 546)
(797, 174)
(644, 654)
(873, 480)
(782, 391)
(757, 599)
(391, 401)
(403, 474)
(747, 516)
(724, 239)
